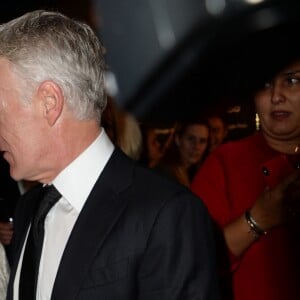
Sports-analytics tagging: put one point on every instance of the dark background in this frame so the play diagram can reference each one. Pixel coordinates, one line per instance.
(14, 8)
(216, 61)
(215, 65)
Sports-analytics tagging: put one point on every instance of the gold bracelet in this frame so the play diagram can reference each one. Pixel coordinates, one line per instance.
(254, 227)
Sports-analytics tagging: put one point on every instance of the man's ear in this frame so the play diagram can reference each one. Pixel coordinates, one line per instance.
(51, 100)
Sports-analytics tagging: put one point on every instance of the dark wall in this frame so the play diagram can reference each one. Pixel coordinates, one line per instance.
(76, 9)
(219, 60)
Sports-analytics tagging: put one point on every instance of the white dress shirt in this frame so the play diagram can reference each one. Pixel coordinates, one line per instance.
(74, 183)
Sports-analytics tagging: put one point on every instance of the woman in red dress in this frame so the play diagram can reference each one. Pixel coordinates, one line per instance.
(252, 188)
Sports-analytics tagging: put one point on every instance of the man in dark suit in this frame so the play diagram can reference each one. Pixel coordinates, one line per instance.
(118, 231)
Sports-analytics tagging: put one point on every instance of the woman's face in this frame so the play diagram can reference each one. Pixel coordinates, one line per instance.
(192, 143)
(278, 105)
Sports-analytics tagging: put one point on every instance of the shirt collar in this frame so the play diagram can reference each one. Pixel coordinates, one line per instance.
(76, 181)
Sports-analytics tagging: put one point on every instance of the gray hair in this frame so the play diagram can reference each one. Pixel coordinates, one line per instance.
(43, 45)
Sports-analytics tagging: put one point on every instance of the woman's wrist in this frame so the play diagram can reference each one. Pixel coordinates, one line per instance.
(254, 228)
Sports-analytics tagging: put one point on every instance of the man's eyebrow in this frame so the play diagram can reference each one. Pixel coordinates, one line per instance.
(291, 72)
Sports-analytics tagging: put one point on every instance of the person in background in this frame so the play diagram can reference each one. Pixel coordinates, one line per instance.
(123, 129)
(252, 190)
(218, 131)
(9, 195)
(117, 230)
(10, 192)
(187, 150)
(155, 142)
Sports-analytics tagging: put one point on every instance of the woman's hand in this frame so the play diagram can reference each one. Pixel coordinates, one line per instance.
(275, 206)
(272, 208)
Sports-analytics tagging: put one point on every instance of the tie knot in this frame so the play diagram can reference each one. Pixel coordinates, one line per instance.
(49, 193)
(49, 196)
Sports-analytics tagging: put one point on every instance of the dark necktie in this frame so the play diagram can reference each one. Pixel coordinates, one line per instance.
(34, 244)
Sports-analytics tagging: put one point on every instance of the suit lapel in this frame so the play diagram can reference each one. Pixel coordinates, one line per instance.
(99, 214)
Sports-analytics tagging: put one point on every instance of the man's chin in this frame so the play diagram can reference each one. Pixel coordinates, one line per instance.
(6, 156)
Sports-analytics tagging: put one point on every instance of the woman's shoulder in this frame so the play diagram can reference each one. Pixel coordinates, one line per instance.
(253, 142)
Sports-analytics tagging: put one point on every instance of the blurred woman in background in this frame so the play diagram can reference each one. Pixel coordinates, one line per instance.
(123, 129)
(187, 150)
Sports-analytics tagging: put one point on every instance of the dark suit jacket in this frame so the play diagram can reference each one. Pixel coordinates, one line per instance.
(138, 236)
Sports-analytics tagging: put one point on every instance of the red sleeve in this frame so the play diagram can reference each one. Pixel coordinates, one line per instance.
(210, 185)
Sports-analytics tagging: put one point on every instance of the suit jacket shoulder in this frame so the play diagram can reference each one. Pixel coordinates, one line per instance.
(138, 236)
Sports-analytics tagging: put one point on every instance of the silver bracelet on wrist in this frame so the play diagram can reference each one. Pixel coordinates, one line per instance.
(255, 229)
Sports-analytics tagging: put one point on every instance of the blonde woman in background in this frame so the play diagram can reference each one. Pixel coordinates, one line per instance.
(187, 150)
(123, 129)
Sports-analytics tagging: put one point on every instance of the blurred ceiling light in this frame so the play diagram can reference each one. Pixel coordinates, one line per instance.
(163, 24)
(266, 18)
(215, 7)
(234, 109)
(254, 1)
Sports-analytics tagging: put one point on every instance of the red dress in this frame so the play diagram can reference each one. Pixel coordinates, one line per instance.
(229, 182)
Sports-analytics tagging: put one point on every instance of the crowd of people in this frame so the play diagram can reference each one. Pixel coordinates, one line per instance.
(186, 213)
(179, 150)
